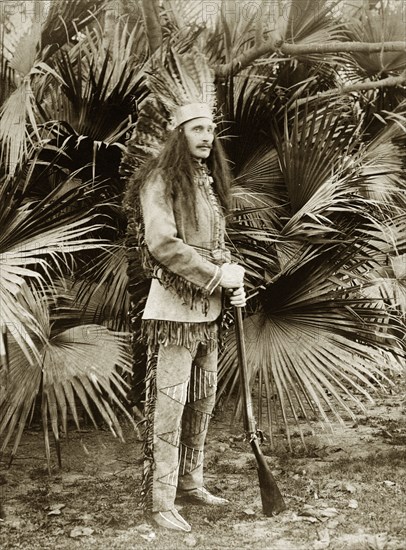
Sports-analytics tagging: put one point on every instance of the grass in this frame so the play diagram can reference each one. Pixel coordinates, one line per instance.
(99, 483)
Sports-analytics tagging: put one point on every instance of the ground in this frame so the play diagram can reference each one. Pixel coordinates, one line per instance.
(346, 491)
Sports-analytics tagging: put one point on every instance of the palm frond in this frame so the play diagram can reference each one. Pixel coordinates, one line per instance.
(307, 23)
(247, 108)
(14, 132)
(382, 26)
(82, 364)
(231, 29)
(17, 113)
(383, 160)
(311, 149)
(99, 90)
(315, 341)
(260, 185)
(103, 290)
(36, 241)
(18, 116)
(25, 52)
(382, 173)
(387, 281)
(253, 247)
(65, 21)
(187, 14)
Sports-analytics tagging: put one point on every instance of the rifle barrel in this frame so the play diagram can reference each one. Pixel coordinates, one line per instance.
(271, 497)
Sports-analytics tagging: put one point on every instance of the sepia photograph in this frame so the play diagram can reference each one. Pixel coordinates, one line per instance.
(202, 274)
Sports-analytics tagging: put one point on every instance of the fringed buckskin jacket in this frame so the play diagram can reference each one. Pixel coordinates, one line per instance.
(182, 252)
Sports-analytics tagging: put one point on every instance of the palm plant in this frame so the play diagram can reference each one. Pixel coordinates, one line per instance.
(60, 195)
(318, 205)
(52, 352)
(312, 333)
(312, 195)
(373, 25)
(27, 66)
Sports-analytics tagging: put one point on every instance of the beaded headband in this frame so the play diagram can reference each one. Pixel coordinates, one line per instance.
(191, 111)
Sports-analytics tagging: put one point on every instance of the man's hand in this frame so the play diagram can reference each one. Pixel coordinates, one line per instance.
(238, 297)
(232, 276)
(233, 280)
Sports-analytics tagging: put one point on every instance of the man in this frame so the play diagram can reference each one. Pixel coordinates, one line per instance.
(183, 196)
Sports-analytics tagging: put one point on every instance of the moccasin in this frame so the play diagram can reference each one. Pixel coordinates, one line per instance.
(201, 495)
(171, 519)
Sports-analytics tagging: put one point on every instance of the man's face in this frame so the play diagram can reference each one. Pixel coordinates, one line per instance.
(199, 134)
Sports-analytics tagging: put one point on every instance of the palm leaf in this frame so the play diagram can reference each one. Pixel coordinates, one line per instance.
(80, 364)
(187, 14)
(14, 134)
(315, 341)
(259, 185)
(103, 292)
(36, 240)
(382, 171)
(387, 281)
(252, 247)
(311, 149)
(382, 163)
(382, 26)
(247, 115)
(308, 24)
(64, 21)
(18, 115)
(89, 114)
(231, 33)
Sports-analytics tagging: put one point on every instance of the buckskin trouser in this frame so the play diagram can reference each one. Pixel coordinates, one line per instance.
(180, 396)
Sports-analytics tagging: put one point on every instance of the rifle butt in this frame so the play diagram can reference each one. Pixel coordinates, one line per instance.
(272, 500)
(271, 497)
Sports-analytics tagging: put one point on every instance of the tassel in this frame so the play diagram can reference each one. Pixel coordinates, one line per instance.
(136, 246)
(157, 332)
(146, 499)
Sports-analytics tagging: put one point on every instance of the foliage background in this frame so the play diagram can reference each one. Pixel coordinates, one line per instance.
(314, 126)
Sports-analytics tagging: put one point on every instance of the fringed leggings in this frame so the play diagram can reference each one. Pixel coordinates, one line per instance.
(180, 395)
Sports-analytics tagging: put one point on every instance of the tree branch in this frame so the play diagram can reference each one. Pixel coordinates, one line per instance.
(259, 31)
(247, 58)
(389, 82)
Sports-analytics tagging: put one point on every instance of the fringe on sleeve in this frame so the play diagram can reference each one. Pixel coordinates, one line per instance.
(191, 294)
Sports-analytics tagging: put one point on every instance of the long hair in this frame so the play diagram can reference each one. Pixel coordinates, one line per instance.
(178, 168)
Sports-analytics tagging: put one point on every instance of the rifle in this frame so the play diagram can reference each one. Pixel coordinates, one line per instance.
(272, 500)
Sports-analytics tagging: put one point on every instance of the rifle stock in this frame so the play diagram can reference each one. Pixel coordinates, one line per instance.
(272, 500)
